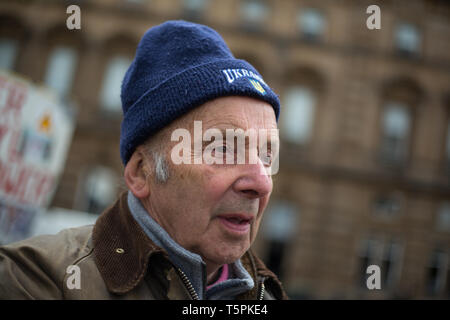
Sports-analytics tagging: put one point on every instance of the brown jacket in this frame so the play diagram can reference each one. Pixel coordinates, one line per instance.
(115, 260)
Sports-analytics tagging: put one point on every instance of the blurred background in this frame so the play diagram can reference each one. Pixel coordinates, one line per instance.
(365, 128)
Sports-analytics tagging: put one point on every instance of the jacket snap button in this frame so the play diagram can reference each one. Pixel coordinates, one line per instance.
(120, 250)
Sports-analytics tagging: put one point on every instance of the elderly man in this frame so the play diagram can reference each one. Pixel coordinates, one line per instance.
(183, 230)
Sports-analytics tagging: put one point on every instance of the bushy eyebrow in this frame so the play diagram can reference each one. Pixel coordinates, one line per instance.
(270, 142)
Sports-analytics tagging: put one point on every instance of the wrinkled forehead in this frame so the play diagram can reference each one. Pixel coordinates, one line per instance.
(233, 113)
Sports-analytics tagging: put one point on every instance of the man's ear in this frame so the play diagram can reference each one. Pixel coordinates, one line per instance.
(136, 176)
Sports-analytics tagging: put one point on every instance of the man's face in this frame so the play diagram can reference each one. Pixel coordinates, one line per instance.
(215, 210)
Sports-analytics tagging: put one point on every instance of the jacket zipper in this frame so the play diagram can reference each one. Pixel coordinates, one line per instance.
(194, 296)
(262, 289)
(188, 285)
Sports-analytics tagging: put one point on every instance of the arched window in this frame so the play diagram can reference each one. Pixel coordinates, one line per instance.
(401, 98)
(119, 51)
(61, 68)
(396, 127)
(300, 101)
(298, 114)
(62, 60)
(111, 88)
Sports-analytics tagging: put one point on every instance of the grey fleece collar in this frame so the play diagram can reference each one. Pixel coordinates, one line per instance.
(190, 263)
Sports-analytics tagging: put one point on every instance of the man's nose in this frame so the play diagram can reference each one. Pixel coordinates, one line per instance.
(254, 181)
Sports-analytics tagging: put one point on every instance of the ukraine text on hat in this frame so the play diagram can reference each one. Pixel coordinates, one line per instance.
(234, 74)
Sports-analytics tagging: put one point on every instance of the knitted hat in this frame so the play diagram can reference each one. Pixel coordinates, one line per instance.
(178, 66)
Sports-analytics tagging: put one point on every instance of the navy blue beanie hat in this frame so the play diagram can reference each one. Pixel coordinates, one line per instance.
(178, 66)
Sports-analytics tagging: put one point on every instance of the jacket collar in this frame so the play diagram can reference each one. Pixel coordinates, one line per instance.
(121, 248)
(122, 252)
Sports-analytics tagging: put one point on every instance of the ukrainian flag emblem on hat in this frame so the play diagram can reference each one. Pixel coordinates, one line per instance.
(257, 86)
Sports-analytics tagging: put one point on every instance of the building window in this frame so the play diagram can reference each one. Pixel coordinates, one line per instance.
(254, 12)
(193, 9)
(298, 115)
(386, 255)
(279, 228)
(447, 148)
(112, 81)
(8, 53)
(60, 70)
(367, 257)
(136, 1)
(311, 23)
(437, 272)
(387, 205)
(443, 217)
(97, 190)
(396, 124)
(194, 6)
(407, 39)
(390, 264)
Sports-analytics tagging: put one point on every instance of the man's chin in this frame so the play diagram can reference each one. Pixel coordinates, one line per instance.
(228, 255)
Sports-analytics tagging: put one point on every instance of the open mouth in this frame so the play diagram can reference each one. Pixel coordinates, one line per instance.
(238, 220)
(237, 223)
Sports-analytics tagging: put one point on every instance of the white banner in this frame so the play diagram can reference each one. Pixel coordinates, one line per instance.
(35, 134)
